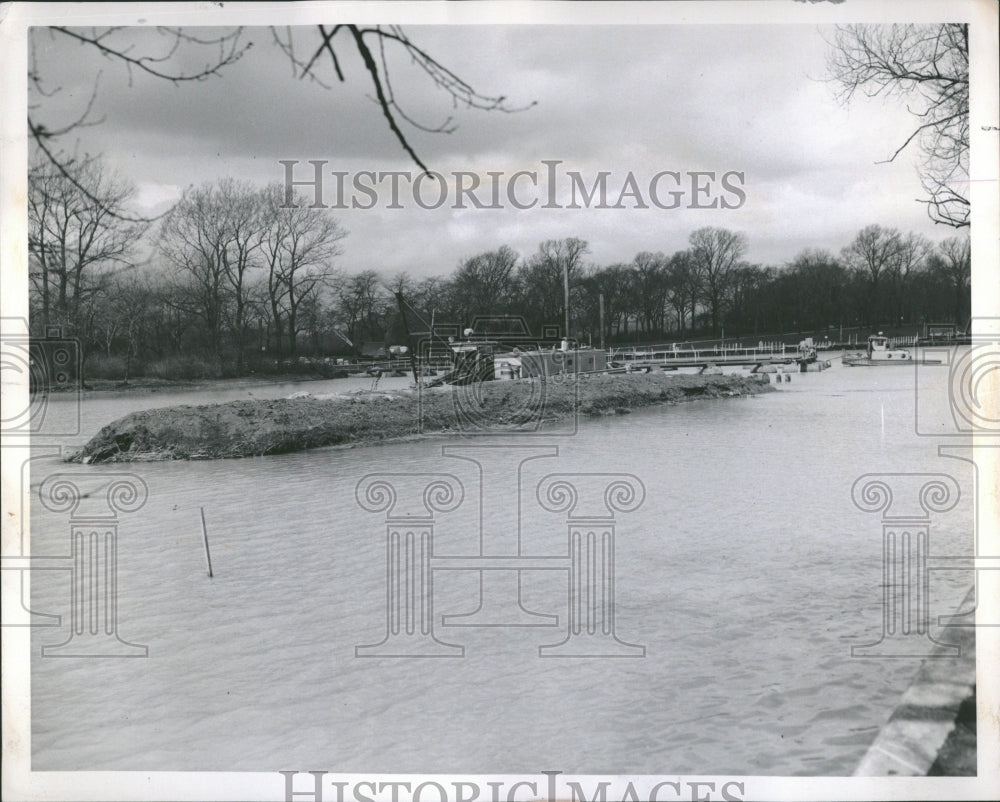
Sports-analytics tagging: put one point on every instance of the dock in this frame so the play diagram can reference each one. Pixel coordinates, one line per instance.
(672, 357)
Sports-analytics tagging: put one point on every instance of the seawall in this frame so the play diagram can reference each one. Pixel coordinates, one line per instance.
(933, 729)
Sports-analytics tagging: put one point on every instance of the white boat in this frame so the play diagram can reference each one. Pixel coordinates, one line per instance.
(880, 353)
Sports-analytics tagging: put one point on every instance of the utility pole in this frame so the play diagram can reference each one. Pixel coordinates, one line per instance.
(409, 341)
(566, 295)
(601, 303)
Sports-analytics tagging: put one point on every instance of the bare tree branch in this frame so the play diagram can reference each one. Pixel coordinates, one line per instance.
(65, 166)
(928, 64)
(230, 52)
(460, 92)
(227, 50)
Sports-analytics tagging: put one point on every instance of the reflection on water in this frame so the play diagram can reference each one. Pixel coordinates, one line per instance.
(747, 574)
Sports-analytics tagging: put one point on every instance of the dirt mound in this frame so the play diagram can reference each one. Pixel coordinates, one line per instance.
(257, 428)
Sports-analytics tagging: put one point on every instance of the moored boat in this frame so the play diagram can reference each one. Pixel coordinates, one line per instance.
(879, 352)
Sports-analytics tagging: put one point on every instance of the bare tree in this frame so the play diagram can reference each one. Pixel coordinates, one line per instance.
(953, 262)
(820, 280)
(910, 259)
(430, 300)
(362, 303)
(401, 282)
(544, 275)
(615, 283)
(76, 238)
(195, 238)
(651, 289)
(747, 282)
(928, 66)
(128, 304)
(243, 219)
(298, 246)
(485, 283)
(874, 253)
(214, 236)
(684, 287)
(716, 253)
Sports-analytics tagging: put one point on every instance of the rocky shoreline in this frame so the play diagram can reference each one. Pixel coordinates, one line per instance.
(258, 428)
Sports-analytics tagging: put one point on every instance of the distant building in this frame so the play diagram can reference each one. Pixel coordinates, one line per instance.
(552, 363)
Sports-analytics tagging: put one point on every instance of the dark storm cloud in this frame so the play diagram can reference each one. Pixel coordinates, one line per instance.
(614, 98)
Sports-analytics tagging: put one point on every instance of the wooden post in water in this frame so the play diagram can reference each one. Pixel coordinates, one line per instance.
(204, 533)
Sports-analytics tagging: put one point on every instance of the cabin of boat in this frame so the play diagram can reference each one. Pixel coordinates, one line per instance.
(879, 352)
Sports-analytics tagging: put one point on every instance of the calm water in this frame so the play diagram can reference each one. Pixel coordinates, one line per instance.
(747, 574)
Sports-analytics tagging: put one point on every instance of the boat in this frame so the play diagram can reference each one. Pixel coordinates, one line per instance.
(879, 353)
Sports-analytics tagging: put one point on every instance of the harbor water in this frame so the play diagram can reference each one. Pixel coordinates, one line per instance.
(747, 574)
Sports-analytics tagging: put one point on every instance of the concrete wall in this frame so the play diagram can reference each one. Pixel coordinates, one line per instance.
(915, 736)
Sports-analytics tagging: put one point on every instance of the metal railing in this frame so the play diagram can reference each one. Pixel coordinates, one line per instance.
(672, 351)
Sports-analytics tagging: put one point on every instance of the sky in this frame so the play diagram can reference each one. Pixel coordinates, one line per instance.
(751, 99)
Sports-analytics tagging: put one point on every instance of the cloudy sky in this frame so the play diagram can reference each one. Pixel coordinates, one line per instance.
(640, 99)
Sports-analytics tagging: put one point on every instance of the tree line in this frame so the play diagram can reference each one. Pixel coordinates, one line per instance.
(232, 279)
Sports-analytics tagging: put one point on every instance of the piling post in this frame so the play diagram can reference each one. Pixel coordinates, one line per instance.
(204, 534)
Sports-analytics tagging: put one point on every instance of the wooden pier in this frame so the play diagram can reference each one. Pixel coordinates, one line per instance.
(672, 358)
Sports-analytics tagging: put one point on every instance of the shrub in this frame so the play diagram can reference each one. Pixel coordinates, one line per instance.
(102, 366)
(186, 368)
